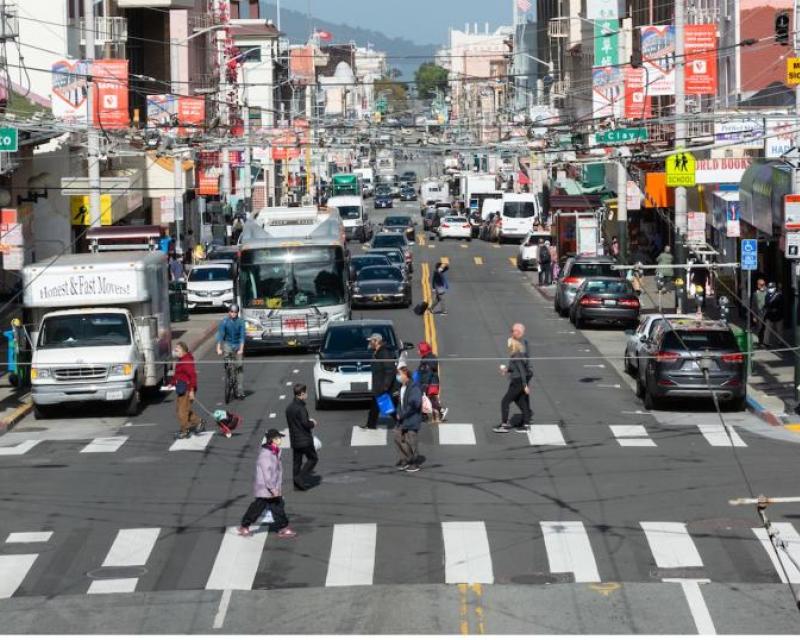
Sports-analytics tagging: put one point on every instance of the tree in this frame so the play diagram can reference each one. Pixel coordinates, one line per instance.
(430, 77)
(395, 92)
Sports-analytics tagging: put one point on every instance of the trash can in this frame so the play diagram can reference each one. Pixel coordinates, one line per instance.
(741, 341)
(178, 302)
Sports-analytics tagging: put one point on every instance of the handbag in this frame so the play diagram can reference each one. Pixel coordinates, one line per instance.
(432, 390)
(427, 407)
(385, 404)
(181, 387)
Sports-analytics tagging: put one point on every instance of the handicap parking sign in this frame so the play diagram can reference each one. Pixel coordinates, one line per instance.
(749, 255)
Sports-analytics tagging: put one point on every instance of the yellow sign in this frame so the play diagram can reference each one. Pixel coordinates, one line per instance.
(792, 71)
(79, 211)
(680, 168)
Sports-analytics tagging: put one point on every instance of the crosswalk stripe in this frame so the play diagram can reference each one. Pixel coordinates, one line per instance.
(237, 561)
(105, 445)
(113, 585)
(193, 443)
(478, 260)
(631, 435)
(29, 536)
(131, 547)
(13, 569)
(368, 437)
(790, 536)
(546, 435)
(717, 435)
(450, 433)
(467, 558)
(569, 550)
(671, 545)
(19, 449)
(352, 560)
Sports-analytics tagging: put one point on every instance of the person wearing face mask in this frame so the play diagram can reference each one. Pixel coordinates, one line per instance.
(185, 382)
(409, 419)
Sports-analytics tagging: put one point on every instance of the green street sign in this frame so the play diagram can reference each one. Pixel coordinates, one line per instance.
(606, 43)
(9, 139)
(621, 136)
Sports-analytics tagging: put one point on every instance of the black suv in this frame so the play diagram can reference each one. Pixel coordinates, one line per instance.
(678, 356)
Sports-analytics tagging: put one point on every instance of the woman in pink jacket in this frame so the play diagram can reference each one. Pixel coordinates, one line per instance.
(267, 488)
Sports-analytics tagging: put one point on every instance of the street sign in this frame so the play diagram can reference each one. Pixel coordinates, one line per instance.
(749, 255)
(792, 71)
(9, 139)
(791, 207)
(793, 245)
(621, 136)
(680, 168)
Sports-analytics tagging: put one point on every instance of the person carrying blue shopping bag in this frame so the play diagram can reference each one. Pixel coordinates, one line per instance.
(383, 372)
(440, 286)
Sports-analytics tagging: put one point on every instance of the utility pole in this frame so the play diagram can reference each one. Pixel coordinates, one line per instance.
(177, 163)
(93, 142)
(248, 158)
(680, 143)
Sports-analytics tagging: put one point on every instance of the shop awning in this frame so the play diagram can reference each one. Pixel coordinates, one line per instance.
(761, 194)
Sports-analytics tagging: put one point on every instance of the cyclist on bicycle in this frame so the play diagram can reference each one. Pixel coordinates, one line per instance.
(230, 342)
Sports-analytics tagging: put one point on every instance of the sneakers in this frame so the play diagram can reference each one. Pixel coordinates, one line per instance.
(443, 415)
(287, 533)
(412, 468)
(503, 428)
(523, 428)
(183, 435)
(401, 465)
(244, 531)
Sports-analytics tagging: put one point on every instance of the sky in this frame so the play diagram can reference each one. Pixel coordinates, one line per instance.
(421, 21)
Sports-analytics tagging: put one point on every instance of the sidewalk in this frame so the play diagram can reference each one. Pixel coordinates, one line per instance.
(16, 404)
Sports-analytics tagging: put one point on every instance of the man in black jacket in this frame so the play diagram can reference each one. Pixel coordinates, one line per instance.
(383, 372)
(301, 438)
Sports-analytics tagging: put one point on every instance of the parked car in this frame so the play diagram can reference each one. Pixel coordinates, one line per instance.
(609, 300)
(342, 370)
(383, 197)
(385, 240)
(528, 253)
(637, 338)
(400, 224)
(210, 285)
(427, 217)
(366, 260)
(408, 193)
(381, 286)
(572, 275)
(438, 214)
(455, 227)
(692, 359)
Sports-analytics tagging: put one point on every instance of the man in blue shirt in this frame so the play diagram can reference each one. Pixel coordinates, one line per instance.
(230, 342)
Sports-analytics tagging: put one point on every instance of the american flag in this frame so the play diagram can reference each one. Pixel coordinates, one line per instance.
(524, 5)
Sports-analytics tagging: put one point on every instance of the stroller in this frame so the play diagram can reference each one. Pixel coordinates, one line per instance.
(227, 421)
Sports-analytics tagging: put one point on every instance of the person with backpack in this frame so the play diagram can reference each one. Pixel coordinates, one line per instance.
(428, 379)
(440, 286)
(519, 375)
(544, 263)
(409, 420)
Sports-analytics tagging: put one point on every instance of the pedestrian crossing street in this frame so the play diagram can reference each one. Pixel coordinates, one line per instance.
(455, 434)
(362, 554)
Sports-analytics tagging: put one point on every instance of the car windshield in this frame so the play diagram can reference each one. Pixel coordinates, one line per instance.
(454, 220)
(355, 339)
(359, 262)
(380, 273)
(608, 286)
(397, 221)
(349, 213)
(699, 340)
(395, 256)
(84, 330)
(518, 210)
(592, 269)
(383, 190)
(389, 240)
(210, 274)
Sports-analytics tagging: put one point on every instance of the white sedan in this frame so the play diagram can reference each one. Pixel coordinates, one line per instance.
(455, 227)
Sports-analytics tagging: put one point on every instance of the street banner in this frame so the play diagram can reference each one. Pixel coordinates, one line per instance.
(638, 104)
(658, 58)
(701, 59)
(110, 85)
(164, 110)
(721, 170)
(602, 9)
(747, 133)
(732, 227)
(780, 137)
(606, 43)
(70, 90)
(607, 92)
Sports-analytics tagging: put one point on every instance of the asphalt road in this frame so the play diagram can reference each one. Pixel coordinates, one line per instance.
(573, 529)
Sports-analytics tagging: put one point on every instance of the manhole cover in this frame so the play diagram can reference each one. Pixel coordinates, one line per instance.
(117, 572)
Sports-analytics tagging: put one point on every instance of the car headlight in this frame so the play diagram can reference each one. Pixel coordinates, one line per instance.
(409, 229)
(327, 367)
(37, 373)
(124, 369)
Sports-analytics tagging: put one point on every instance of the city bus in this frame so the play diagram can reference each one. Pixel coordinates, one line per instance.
(293, 276)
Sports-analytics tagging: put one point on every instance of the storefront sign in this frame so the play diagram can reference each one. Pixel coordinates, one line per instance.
(658, 57)
(748, 134)
(791, 219)
(793, 71)
(780, 137)
(701, 59)
(721, 170)
(606, 43)
(638, 103)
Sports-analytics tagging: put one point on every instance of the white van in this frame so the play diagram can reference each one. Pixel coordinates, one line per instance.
(490, 206)
(433, 191)
(354, 218)
(519, 215)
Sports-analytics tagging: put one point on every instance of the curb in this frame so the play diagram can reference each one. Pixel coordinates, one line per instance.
(8, 421)
(764, 414)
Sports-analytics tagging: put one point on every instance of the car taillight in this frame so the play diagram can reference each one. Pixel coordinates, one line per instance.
(572, 280)
(589, 301)
(667, 356)
(733, 357)
(629, 302)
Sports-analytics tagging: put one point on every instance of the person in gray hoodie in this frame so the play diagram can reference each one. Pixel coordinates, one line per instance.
(267, 488)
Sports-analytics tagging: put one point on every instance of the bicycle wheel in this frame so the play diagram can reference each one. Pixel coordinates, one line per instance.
(230, 381)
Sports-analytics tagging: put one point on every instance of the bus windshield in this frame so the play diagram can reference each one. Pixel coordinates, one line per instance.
(292, 277)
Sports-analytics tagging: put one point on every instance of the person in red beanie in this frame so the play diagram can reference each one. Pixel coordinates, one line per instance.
(185, 382)
(428, 372)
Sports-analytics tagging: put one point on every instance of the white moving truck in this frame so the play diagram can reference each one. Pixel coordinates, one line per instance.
(101, 329)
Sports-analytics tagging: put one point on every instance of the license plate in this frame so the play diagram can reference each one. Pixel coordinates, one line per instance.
(377, 298)
(611, 303)
(294, 323)
(359, 386)
(114, 395)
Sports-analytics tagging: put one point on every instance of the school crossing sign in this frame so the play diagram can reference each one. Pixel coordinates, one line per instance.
(680, 168)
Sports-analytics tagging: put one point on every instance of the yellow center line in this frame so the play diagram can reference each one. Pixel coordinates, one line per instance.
(430, 325)
(478, 260)
(421, 239)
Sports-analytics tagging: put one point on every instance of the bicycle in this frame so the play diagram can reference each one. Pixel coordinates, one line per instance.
(230, 377)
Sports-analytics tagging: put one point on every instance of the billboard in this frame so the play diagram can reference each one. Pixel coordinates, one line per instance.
(658, 58)
(607, 92)
(109, 91)
(163, 111)
(638, 103)
(701, 59)
(301, 65)
(70, 90)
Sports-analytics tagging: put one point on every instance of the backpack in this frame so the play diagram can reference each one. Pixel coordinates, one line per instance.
(427, 407)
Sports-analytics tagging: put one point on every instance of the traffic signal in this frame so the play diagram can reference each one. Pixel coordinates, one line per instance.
(782, 27)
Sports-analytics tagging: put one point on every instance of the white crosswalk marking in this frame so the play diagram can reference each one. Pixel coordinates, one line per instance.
(368, 437)
(467, 558)
(29, 536)
(113, 585)
(19, 449)
(542, 435)
(237, 561)
(569, 550)
(671, 545)
(193, 443)
(631, 435)
(105, 445)
(131, 547)
(717, 435)
(352, 560)
(450, 433)
(13, 569)
(790, 536)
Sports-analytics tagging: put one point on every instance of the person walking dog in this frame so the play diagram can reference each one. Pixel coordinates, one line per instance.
(185, 382)
(301, 438)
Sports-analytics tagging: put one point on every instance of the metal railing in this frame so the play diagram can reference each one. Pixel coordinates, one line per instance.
(558, 27)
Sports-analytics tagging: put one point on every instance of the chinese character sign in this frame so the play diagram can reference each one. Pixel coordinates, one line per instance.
(606, 43)
(602, 9)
